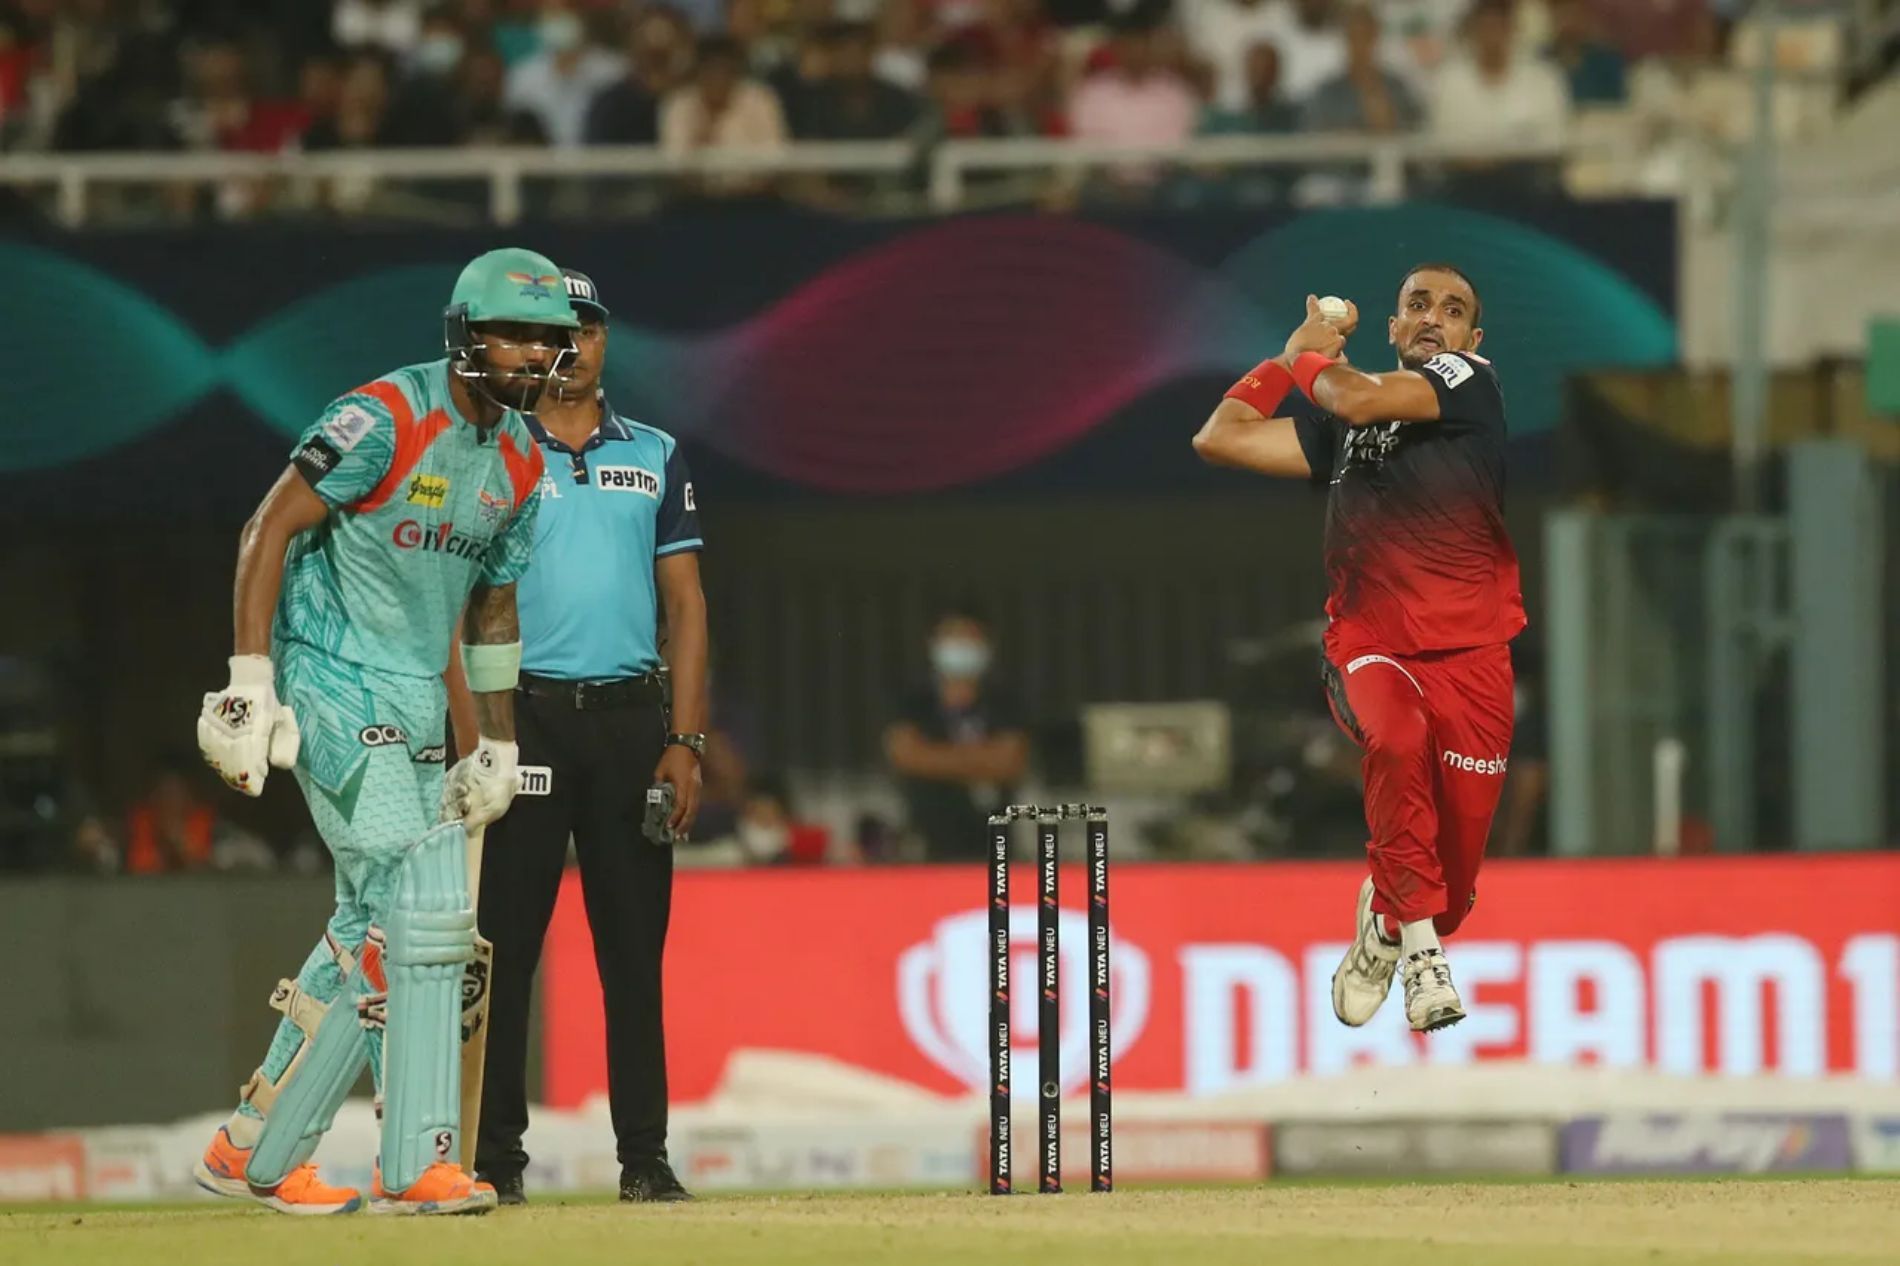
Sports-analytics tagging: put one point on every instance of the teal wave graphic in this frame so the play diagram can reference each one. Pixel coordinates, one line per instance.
(784, 387)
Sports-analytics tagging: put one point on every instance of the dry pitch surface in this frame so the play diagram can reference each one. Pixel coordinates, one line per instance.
(1793, 1223)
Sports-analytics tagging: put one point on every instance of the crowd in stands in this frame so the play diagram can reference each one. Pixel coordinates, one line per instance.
(276, 75)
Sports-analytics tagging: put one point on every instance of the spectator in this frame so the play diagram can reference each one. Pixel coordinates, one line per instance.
(558, 85)
(1367, 96)
(221, 112)
(1594, 68)
(959, 746)
(722, 108)
(171, 828)
(1021, 52)
(424, 109)
(659, 59)
(1312, 44)
(959, 103)
(852, 103)
(438, 48)
(128, 106)
(903, 44)
(1136, 101)
(1425, 30)
(1265, 113)
(769, 833)
(361, 120)
(392, 26)
(319, 88)
(480, 111)
(799, 77)
(1221, 32)
(1264, 110)
(1493, 96)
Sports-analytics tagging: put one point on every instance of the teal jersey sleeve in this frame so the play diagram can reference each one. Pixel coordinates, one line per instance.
(509, 553)
(348, 450)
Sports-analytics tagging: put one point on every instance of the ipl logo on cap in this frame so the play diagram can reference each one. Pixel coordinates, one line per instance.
(943, 996)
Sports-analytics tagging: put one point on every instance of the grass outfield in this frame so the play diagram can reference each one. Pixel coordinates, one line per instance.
(1780, 1223)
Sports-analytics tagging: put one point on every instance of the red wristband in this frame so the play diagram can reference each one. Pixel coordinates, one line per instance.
(1307, 367)
(1264, 387)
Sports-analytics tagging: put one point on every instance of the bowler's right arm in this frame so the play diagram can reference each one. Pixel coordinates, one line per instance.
(1238, 435)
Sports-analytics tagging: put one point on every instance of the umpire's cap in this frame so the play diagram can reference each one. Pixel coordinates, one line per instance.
(584, 295)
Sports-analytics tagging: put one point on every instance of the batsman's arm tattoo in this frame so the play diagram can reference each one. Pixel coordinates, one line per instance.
(491, 620)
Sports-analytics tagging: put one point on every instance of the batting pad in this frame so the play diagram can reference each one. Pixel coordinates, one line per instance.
(429, 938)
(305, 1099)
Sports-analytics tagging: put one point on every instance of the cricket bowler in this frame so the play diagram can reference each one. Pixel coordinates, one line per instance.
(408, 503)
(1423, 603)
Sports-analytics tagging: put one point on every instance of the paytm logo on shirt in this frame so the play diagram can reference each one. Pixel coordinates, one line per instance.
(628, 479)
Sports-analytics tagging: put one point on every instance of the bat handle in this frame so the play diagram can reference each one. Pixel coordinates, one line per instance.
(475, 835)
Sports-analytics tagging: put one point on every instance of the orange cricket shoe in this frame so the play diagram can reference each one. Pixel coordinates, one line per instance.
(221, 1171)
(442, 1189)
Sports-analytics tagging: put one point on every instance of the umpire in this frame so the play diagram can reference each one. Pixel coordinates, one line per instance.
(618, 538)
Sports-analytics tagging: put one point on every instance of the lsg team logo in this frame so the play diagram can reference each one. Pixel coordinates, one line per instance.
(943, 996)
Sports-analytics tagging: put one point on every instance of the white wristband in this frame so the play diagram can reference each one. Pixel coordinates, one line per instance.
(252, 670)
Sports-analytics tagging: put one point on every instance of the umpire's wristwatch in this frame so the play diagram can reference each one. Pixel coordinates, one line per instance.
(694, 743)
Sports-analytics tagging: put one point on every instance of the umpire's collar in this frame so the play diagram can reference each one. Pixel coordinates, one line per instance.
(611, 428)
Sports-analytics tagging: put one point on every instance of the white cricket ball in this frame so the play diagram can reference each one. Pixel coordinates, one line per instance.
(1333, 309)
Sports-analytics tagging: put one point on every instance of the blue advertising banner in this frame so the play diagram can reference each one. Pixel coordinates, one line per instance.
(794, 354)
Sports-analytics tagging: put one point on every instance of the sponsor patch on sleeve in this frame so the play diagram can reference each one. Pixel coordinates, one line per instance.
(1453, 369)
(315, 459)
(690, 503)
(346, 427)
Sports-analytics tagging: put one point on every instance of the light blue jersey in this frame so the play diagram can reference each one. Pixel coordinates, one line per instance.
(422, 507)
(589, 603)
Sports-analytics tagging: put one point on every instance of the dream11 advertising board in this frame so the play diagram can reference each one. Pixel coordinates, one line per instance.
(1786, 965)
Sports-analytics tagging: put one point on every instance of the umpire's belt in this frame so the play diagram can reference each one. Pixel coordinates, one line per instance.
(584, 696)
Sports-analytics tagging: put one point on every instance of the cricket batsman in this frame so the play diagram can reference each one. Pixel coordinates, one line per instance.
(408, 503)
(1423, 603)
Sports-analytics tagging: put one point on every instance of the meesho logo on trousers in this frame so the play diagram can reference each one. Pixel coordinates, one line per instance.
(943, 996)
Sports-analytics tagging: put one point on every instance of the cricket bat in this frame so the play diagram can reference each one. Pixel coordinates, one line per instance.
(476, 978)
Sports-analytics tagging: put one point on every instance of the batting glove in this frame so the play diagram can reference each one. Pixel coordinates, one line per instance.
(243, 730)
(482, 784)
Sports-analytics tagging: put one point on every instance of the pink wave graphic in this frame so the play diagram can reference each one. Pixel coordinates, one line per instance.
(954, 354)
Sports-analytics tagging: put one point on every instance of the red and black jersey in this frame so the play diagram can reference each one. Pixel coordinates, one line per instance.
(1417, 558)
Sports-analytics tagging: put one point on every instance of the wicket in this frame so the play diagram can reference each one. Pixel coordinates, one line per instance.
(1049, 821)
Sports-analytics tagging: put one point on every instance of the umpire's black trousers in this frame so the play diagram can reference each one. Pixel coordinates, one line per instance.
(601, 752)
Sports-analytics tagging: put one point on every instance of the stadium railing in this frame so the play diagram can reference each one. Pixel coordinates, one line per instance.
(1383, 169)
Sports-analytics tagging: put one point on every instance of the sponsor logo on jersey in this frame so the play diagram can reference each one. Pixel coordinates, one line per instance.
(492, 510)
(437, 755)
(1452, 368)
(1497, 764)
(536, 780)
(628, 479)
(346, 427)
(429, 490)
(440, 539)
(690, 503)
(537, 285)
(1369, 445)
(382, 736)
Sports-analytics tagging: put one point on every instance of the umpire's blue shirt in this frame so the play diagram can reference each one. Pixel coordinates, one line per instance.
(589, 604)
